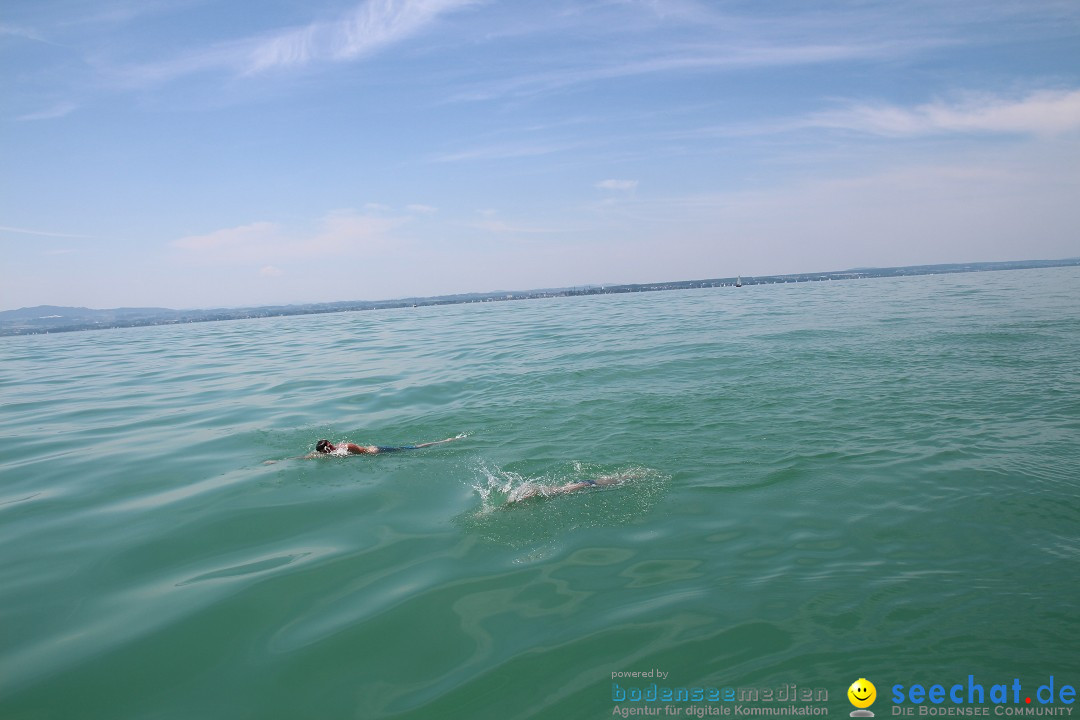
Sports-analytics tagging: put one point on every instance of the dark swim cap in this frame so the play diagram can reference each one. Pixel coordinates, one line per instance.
(322, 446)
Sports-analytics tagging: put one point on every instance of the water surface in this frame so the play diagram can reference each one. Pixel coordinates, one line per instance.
(872, 478)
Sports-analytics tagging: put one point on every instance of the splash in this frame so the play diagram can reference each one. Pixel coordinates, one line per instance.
(494, 486)
(517, 508)
(498, 487)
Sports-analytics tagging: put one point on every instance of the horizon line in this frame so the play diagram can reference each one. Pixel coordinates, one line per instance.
(570, 288)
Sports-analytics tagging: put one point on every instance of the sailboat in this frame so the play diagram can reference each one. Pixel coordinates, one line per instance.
(738, 281)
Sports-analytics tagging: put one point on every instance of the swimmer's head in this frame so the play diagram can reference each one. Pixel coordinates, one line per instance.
(324, 446)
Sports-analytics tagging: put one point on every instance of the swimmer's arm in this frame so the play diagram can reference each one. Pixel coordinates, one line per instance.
(567, 488)
(354, 449)
(296, 457)
(600, 481)
(611, 479)
(547, 491)
(440, 442)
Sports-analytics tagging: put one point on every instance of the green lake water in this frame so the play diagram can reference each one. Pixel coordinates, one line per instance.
(824, 481)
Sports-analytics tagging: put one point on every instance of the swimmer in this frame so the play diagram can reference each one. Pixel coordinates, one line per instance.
(325, 447)
(531, 490)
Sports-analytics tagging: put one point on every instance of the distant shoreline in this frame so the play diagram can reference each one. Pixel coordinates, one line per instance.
(53, 319)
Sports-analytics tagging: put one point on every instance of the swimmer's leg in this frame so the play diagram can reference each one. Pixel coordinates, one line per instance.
(387, 449)
(611, 479)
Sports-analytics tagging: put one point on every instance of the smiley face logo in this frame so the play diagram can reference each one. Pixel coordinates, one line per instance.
(862, 693)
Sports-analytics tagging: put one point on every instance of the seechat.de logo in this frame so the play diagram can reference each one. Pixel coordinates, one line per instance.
(862, 695)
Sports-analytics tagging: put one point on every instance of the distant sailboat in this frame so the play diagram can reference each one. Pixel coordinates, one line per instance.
(738, 281)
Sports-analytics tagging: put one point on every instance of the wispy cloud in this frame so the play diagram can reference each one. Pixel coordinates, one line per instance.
(507, 228)
(1046, 112)
(1043, 113)
(112, 13)
(271, 271)
(245, 236)
(602, 42)
(340, 234)
(492, 223)
(507, 151)
(621, 185)
(368, 28)
(750, 56)
(56, 111)
(42, 233)
(968, 207)
(23, 32)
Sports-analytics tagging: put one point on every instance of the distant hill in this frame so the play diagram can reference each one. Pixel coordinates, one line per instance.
(43, 312)
(54, 318)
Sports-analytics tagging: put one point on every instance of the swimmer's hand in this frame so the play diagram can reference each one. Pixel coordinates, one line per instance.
(297, 457)
(459, 436)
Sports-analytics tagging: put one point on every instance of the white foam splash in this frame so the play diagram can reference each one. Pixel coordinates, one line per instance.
(497, 487)
(494, 482)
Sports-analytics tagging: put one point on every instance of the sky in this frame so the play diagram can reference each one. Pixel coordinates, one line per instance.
(229, 153)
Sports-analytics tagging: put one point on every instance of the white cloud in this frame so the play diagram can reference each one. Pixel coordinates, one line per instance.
(1043, 113)
(340, 234)
(501, 227)
(271, 271)
(368, 28)
(622, 185)
(420, 209)
(1046, 112)
(493, 224)
(43, 233)
(761, 55)
(682, 38)
(56, 111)
(245, 236)
(22, 32)
(123, 12)
(1014, 202)
(507, 151)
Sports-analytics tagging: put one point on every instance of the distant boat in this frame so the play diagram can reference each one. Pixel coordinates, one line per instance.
(738, 281)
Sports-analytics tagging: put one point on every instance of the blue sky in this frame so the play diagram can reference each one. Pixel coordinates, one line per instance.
(201, 153)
